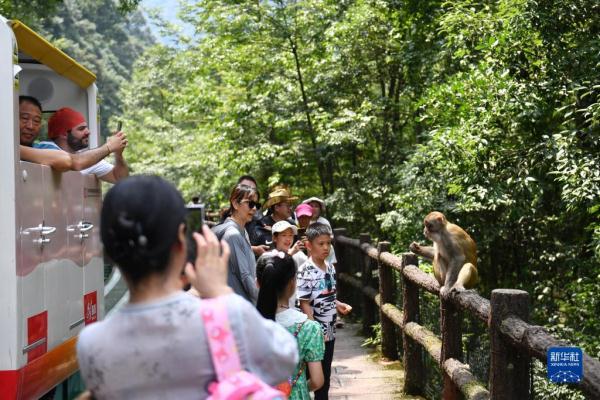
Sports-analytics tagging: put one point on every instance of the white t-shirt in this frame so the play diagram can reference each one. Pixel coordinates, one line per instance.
(319, 288)
(99, 169)
(158, 350)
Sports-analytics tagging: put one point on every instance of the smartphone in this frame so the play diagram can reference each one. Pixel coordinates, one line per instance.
(119, 126)
(302, 236)
(194, 221)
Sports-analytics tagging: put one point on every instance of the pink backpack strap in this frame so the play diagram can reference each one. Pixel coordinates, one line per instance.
(221, 342)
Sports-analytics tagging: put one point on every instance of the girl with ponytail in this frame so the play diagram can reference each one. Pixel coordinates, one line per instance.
(276, 277)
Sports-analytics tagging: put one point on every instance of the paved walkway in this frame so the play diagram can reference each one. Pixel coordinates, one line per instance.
(359, 373)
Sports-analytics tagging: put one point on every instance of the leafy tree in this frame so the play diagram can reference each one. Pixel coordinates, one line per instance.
(99, 36)
(487, 111)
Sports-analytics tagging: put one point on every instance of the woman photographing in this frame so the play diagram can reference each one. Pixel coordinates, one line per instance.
(155, 346)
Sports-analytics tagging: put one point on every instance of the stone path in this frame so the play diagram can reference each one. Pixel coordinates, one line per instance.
(358, 372)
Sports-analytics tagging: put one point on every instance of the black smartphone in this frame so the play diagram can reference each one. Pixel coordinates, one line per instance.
(194, 221)
(119, 126)
(302, 236)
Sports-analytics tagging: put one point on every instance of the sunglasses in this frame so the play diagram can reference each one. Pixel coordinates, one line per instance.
(328, 281)
(251, 203)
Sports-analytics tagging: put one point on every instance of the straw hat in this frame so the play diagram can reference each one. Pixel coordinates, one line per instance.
(279, 194)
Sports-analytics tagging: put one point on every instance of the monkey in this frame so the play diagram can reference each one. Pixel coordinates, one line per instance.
(454, 254)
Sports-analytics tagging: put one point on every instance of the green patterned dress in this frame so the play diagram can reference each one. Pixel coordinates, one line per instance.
(310, 345)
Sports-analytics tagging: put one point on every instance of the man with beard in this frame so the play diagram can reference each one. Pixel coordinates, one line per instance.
(30, 123)
(69, 132)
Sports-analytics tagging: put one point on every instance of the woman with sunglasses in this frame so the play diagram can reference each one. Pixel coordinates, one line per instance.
(243, 203)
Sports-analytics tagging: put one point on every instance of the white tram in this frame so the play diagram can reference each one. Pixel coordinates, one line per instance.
(51, 261)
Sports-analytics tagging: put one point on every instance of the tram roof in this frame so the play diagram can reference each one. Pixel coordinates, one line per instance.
(41, 50)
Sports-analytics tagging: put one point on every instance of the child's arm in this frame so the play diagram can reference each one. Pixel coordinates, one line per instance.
(306, 308)
(298, 246)
(315, 371)
(342, 308)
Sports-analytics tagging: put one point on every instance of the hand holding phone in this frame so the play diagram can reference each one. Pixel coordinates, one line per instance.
(208, 272)
(194, 223)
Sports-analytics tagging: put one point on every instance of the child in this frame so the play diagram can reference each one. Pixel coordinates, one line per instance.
(283, 237)
(317, 207)
(276, 276)
(304, 214)
(317, 294)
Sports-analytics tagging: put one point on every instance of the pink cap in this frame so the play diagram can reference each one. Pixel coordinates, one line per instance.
(304, 209)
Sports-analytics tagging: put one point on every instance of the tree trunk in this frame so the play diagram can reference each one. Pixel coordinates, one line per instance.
(311, 131)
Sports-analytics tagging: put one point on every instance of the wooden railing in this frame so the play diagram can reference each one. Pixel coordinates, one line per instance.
(513, 341)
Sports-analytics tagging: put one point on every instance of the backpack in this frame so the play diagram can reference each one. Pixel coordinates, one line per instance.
(233, 383)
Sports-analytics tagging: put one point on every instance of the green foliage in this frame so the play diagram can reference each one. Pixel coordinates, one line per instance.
(375, 340)
(544, 389)
(486, 111)
(100, 37)
(30, 12)
(35, 12)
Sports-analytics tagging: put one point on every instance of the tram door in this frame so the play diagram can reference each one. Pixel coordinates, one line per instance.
(61, 262)
(93, 259)
(55, 266)
(32, 285)
(73, 196)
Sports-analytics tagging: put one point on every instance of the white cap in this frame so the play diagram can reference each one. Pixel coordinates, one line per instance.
(281, 226)
(318, 200)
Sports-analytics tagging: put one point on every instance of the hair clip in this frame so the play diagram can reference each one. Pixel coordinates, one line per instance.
(277, 253)
(142, 240)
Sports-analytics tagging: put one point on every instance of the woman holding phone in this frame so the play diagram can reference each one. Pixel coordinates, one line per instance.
(155, 346)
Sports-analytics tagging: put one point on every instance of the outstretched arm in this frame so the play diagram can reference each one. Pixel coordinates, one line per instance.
(87, 158)
(424, 251)
(57, 159)
(62, 161)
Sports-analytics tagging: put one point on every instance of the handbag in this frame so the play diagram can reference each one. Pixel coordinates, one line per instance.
(233, 383)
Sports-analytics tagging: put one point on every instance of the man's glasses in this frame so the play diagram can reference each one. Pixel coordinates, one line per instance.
(251, 203)
(328, 281)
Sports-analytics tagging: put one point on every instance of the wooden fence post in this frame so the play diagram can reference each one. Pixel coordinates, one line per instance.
(368, 308)
(414, 371)
(340, 252)
(509, 369)
(387, 290)
(451, 330)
